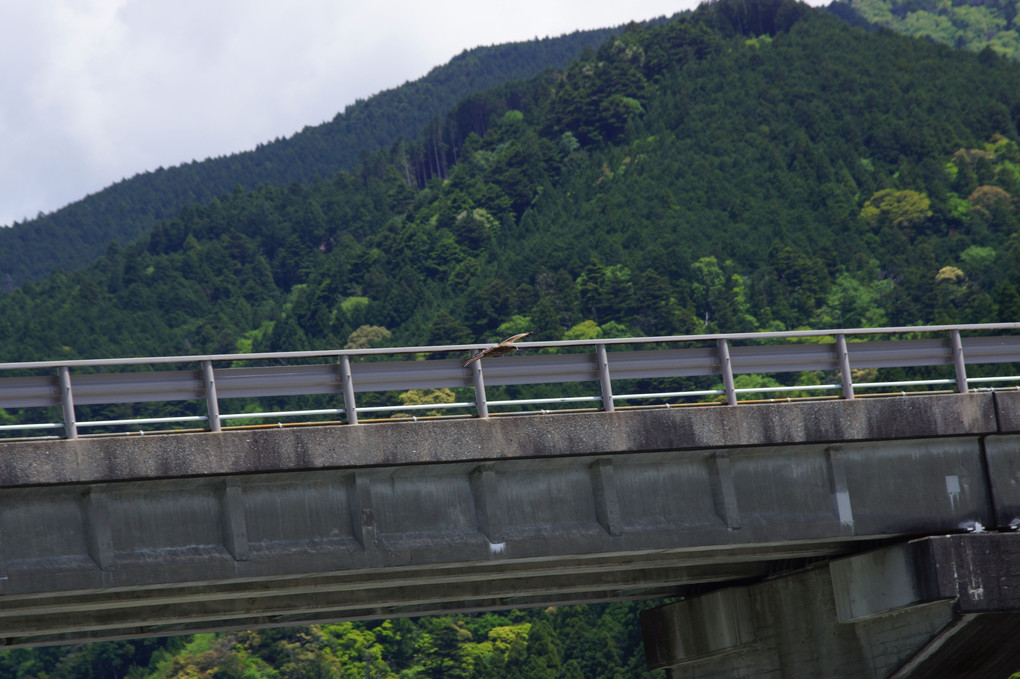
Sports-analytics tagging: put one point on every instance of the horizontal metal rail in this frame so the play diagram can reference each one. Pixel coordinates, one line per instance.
(601, 363)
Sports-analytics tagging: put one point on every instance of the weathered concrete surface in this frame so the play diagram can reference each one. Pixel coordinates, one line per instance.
(134, 536)
(942, 606)
(1002, 454)
(91, 460)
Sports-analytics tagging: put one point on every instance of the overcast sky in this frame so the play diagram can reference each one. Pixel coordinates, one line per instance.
(94, 91)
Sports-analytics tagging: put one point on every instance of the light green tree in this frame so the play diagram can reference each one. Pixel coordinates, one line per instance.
(367, 336)
(416, 397)
(585, 330)
(902, 209)
(515, 326)
(978, 261)
(856, 302)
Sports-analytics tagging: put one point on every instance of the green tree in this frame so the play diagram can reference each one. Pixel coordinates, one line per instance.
(445, 652)
(368, 336)
(585, 330)
(905, 210)
(416, 397)
(287, 335)
(543, 652)
(855, 303)
(516, 325)
(445, 329)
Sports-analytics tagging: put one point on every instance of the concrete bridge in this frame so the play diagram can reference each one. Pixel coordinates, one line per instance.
(878, 530)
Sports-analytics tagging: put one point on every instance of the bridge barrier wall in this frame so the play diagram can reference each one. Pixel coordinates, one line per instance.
(402, 442)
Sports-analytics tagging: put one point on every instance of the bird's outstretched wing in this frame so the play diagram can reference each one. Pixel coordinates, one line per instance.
(474, 358)
(514, 338)
(504, 347)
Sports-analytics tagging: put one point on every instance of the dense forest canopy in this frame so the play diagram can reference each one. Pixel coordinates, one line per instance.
(964, 24)
(753, 165)
(572, 642)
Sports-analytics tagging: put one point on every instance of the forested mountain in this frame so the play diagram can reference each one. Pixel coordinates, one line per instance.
(79, 233)
(964, 24)
(749, 167)
(753, 165)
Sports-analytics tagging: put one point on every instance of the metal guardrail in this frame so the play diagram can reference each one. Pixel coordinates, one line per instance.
(216, 378)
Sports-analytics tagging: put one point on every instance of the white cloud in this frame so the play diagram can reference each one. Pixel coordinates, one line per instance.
(93, 91)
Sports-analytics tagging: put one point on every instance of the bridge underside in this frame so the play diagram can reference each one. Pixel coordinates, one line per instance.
(942, 606)
(152, 536)
(197, 606)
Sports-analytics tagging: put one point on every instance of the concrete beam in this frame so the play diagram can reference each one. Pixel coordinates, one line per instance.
(973, 570)
(264, 525)
(938, 606)
(710, 625)
(198, 611)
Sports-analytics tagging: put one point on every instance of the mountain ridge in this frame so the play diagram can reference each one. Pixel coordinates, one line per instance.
(689, 165)
(73, 235)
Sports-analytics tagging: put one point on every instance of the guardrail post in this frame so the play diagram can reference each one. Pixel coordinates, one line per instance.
(843, 354)
(480, 402)
(961, 367)
(210, 397)
(347, 380)
(607, 386)
(67, 402)
(726, 367)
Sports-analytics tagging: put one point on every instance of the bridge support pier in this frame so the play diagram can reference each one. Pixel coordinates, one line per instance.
(937, 606)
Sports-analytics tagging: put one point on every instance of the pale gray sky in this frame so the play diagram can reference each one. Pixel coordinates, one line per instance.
(94, 91)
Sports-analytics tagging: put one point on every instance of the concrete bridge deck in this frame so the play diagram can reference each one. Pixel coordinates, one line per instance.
(115, 537)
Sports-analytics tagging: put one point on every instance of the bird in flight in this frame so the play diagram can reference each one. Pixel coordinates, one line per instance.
(504, 347)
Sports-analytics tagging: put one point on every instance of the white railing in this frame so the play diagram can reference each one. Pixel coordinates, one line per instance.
(346, 373)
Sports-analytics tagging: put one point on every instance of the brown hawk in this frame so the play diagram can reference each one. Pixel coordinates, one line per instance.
(504, 347)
